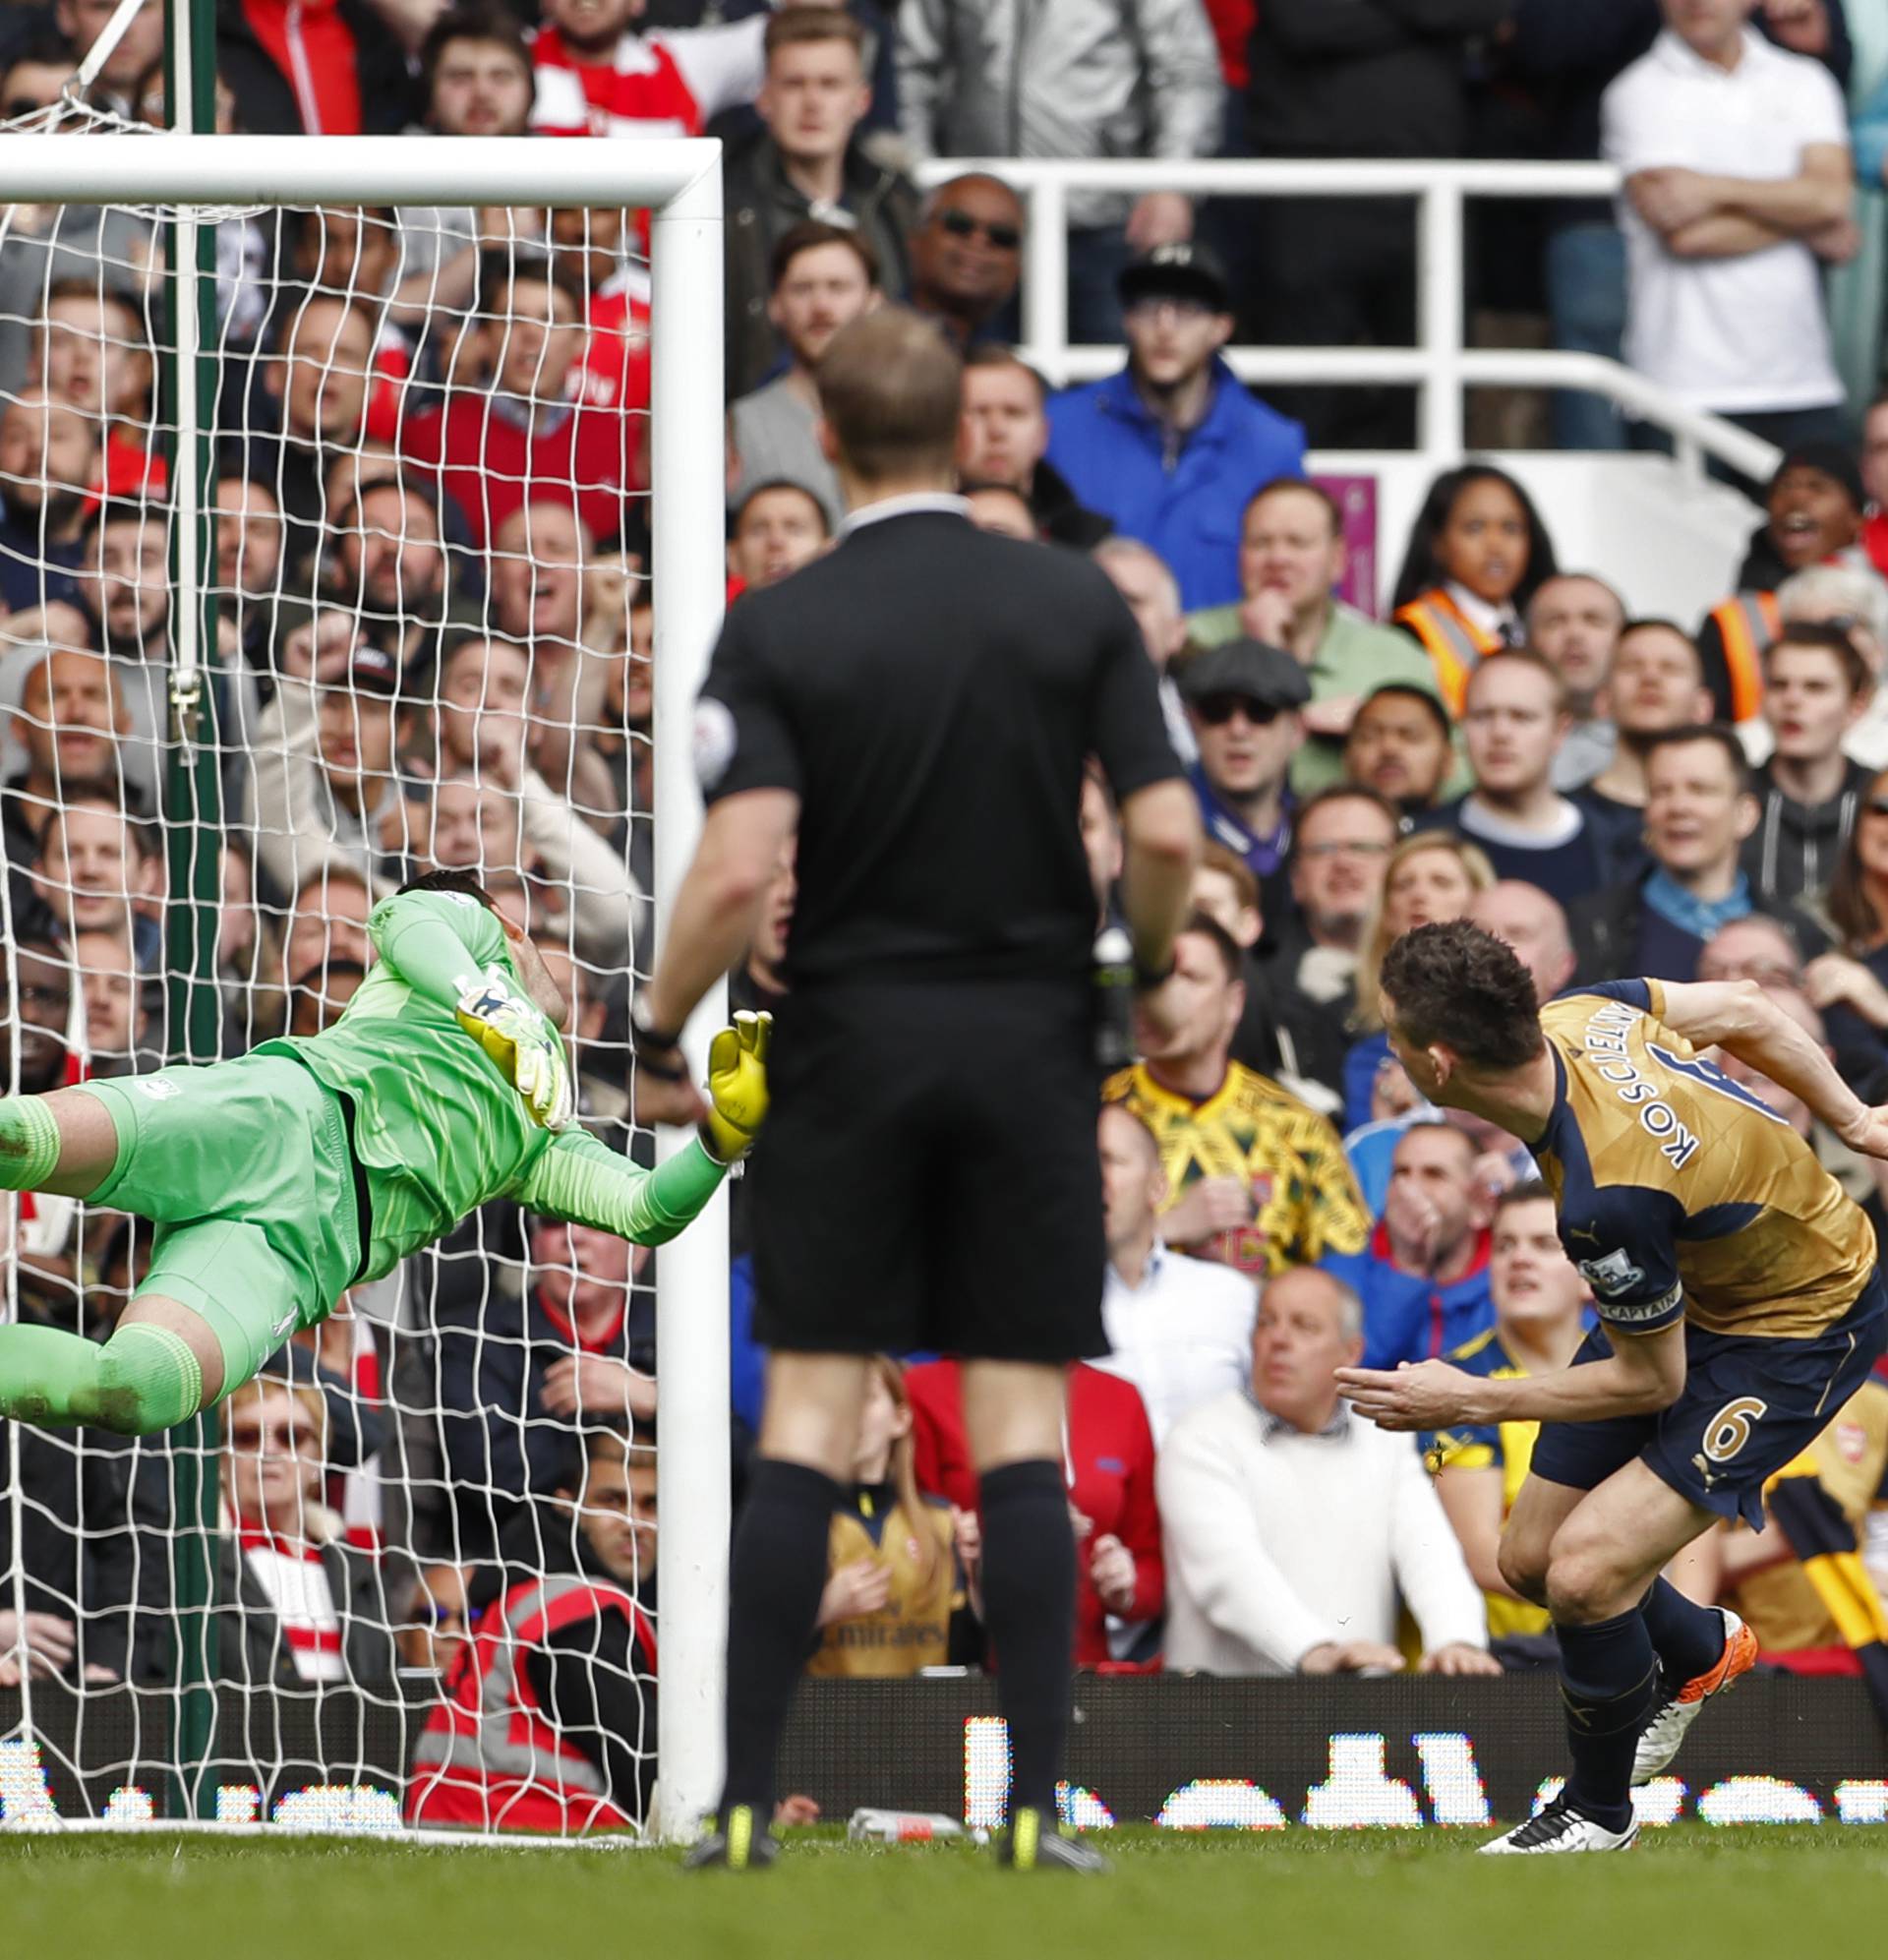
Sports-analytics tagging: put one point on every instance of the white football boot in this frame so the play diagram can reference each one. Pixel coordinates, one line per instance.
(1659, 1741)
(1559, 1827)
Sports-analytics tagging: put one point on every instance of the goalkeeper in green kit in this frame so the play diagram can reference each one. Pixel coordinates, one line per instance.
(278, 1180)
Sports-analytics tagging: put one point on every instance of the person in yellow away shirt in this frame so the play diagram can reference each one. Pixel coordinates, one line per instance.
(898, 1597)
(1540, 1310)
(1803, 1585)
(1255, 1177)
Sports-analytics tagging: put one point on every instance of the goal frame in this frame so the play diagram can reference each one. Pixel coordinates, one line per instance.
(678, 181)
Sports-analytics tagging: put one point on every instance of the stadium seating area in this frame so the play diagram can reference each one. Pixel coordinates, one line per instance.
(434, 632)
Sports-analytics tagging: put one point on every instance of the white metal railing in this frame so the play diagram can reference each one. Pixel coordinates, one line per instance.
(1441, 367)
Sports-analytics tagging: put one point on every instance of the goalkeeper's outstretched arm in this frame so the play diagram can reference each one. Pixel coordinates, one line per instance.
(586, 1182)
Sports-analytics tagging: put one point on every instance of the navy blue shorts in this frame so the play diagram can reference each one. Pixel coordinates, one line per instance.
(1747, 1409)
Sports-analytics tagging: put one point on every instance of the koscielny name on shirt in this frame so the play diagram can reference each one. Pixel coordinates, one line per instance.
(1606, 1036)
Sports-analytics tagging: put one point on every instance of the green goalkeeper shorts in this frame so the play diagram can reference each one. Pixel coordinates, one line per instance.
(246, 1170)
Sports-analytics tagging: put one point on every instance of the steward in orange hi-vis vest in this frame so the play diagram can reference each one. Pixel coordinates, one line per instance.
(1452, 639)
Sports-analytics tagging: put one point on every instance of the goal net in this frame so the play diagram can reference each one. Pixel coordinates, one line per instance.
(340, 532)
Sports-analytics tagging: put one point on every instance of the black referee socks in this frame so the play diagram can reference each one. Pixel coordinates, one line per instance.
(776, 1576)
(1610, 1683)
(1028, 1603)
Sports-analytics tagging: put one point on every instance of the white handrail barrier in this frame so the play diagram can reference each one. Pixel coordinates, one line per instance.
(1440, 366)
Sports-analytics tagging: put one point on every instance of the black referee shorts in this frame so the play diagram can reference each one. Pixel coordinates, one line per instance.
(928, 1178)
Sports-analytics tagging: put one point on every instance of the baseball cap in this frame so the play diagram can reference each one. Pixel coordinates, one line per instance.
(1248, 668)
(374, 671)
(1182, 270)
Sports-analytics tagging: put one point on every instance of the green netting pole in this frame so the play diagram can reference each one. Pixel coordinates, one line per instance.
(193, 824)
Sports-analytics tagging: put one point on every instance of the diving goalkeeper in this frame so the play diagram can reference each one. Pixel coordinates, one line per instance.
(278, 1180)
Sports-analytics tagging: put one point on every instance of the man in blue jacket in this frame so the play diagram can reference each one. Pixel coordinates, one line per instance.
(1173, 447)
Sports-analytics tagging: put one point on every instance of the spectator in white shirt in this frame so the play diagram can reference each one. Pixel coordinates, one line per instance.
(1179, 1328)
(1737, 182)
(1292, 1528)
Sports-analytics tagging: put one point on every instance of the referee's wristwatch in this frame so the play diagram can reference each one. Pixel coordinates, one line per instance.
(657, 1051)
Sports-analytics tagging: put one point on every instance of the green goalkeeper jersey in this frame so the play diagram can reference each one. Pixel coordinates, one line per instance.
(438, 1128)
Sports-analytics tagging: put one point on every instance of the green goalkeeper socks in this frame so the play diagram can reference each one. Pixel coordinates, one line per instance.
(28, 1143)
(144, 1379)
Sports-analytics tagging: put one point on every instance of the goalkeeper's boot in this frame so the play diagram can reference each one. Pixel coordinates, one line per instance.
(739, 1846)
(1035, 1844)
(1659, 1739)
(1560, 1827)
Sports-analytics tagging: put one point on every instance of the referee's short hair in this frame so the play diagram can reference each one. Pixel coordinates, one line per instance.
(891, 387)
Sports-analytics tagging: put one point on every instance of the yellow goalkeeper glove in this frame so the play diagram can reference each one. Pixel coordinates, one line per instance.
(515, 1033)
(738, 1087)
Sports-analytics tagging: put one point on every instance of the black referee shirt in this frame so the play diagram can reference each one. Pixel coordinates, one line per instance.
(929, 692)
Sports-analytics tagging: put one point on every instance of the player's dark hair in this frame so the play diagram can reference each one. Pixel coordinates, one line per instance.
(462, 882)
(1529, 1191)
(1720, 735)
(1224, 943)
(1458, 988)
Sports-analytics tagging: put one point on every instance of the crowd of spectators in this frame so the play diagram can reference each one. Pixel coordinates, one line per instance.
(432, 648)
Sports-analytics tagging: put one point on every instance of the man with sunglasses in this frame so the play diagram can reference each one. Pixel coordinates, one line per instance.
(1173, 447)
(967, 255)
(1243, 699)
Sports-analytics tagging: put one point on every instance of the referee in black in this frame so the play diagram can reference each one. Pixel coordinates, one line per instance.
(917, 706)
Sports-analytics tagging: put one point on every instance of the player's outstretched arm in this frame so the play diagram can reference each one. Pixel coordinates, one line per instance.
(581, 1179)
(585, 1181)
(1644, 1373)
(1738, 1017)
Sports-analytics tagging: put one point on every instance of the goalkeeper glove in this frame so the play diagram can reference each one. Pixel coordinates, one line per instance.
(521, 1041)
(738, 1087)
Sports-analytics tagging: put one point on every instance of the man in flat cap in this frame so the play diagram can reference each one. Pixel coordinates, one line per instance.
(1243, 699)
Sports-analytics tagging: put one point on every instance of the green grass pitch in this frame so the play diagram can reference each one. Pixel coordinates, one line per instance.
(1686, 1891)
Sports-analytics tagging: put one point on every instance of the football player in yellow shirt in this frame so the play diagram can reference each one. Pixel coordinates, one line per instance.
(1738, 1303)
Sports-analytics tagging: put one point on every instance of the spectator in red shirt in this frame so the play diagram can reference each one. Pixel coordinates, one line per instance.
(615, 370)
(1108, 1457)
(599, 74)
(319, 67)
(528, 427)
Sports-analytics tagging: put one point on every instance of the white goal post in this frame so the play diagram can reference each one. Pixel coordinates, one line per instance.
(189, 176)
